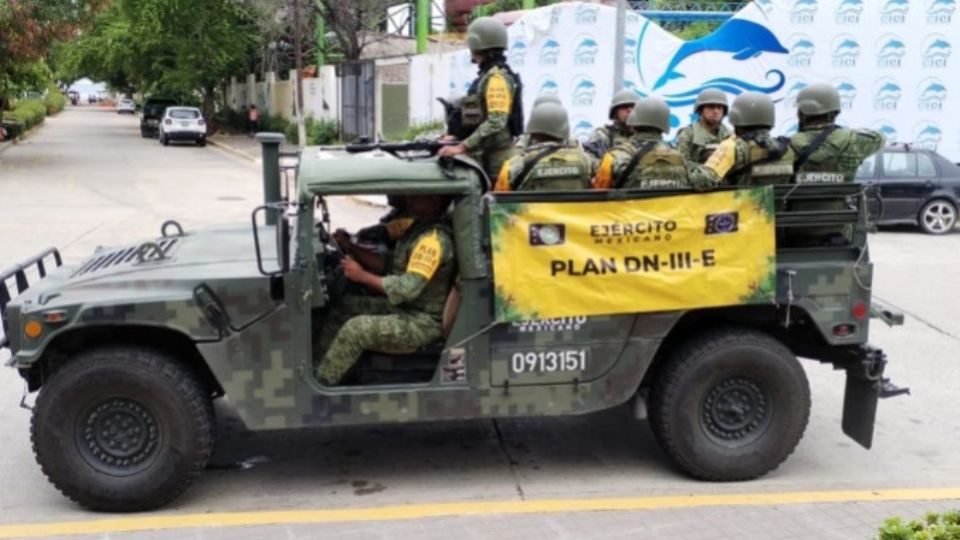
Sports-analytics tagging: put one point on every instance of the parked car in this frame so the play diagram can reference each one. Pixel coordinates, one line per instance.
(152, 113)
(183, 124)
(126, 106)
(915, 186)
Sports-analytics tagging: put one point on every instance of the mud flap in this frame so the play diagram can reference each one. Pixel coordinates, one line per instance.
(860, 407)
(865, 387)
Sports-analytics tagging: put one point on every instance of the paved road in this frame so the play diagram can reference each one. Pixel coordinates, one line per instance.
(87, 178)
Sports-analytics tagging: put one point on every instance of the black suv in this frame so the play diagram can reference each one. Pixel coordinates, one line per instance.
(153, 109)
(916, 186)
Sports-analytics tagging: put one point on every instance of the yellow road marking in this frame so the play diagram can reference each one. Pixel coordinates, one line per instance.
(420, 511)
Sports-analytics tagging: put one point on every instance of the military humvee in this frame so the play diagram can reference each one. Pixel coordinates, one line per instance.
(129, 349)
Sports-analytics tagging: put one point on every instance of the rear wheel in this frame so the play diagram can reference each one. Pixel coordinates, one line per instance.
(938, 216)
(730, 405)
(122, 429)
(202, 141)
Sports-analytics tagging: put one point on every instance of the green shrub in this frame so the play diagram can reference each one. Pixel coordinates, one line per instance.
(319, 132)
(933, 526)
(417, 130)
(27, 112)
(54, 100)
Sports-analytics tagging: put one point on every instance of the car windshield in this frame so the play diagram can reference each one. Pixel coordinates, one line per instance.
(184, 114)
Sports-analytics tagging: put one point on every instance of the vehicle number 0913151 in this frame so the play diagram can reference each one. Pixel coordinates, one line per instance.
(548, 361)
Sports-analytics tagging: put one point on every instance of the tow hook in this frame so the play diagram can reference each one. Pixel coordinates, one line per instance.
(874, 362)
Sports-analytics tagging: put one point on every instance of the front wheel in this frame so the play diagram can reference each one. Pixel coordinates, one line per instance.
(938, 216)
(730, 405)
(122, 429)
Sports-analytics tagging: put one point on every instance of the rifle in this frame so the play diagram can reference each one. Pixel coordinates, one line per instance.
(424, 147)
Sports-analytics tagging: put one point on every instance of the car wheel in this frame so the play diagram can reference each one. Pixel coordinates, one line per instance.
(122, 429)
(938, 216)
(144, 133)
(730, 405)
(163, 140)
(202, 141)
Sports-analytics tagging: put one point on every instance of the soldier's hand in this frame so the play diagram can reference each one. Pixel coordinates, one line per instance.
(454, 150)
(448, 138)
(342, 238)
(352, 269)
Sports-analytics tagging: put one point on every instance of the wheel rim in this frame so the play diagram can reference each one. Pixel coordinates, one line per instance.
(118, 436)
(736, 411)
(939, 217)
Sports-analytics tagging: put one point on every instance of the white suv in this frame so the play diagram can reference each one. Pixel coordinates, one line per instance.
(183, 123)
(126, 106)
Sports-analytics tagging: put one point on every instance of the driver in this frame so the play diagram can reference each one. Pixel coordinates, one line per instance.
(406, 309)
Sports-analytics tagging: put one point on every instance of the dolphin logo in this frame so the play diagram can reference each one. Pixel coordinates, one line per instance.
(942, 6)
(892, 44)
(805, 4)
(887, 130)
(894, 6)
(549, 86)
(938, 46)
(931, 130)
(802, 44)
(850, 6)
(846, 87)
(934, 90)
(847, 46)
(518, 45)
(889, 87)
(745, 39)
(586, 85)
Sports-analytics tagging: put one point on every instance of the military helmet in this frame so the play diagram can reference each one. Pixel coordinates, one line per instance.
(549, 119)
(547, 98)
(752, 109)
(486, 33)
(712, 96)
(620, 99)
(817, 99)
(650, 112)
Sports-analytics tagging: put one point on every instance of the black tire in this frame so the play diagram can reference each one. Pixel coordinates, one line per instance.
(144, 133)
(938, 216)
(730, 405)
(163, 140)
(202, 141)
(106, 399)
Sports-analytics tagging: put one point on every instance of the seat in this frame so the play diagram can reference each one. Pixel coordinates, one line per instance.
(450, 307)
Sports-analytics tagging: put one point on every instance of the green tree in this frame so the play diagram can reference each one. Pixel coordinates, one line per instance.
(182, 48)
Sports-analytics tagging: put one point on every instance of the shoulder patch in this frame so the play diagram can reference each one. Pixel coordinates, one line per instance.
(426, 256)
(497, 95)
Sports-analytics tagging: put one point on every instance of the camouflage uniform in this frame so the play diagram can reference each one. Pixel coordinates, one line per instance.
(661, 168)
(408, 317)
(606, 137)
(696, 142)
(563, 169)
(835, 161)
(489, 104)
(748, 161)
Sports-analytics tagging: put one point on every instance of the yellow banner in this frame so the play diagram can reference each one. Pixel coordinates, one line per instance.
(634, 256)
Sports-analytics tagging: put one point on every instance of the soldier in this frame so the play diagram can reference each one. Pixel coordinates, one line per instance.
(826, 153)
(645, 161)
(523, 141)
(548, 163)
(606, 137)
(492, 108)
(408, 311)
(752, 156)
(698, 140)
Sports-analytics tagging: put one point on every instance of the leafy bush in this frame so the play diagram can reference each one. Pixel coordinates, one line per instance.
(319, 132)
(417, 130)
(933, 526)
(28, 113)
(54, 100)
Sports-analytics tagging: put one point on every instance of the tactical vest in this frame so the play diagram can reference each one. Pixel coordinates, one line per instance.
(831, 162)
(703, 142)
(661, 168)
(564, 169)
(765, 172)
(473, 110)
(434, 294)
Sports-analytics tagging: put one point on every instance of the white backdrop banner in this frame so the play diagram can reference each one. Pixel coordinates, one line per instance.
(891, 60)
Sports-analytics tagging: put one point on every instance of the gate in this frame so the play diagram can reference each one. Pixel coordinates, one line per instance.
(357, 95)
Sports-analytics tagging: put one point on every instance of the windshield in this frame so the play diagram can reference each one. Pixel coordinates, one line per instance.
(185, 114)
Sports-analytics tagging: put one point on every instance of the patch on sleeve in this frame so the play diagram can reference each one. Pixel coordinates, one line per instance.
(723, 158)
(396, 227)
(604, 177)
(498, 95)
(426, 256)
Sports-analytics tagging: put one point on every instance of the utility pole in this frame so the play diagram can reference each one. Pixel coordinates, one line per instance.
(298, 64)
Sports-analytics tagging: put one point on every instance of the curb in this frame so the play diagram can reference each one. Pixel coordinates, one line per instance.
(231, 150)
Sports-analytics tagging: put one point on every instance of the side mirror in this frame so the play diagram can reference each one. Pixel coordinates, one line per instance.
(281, 237)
